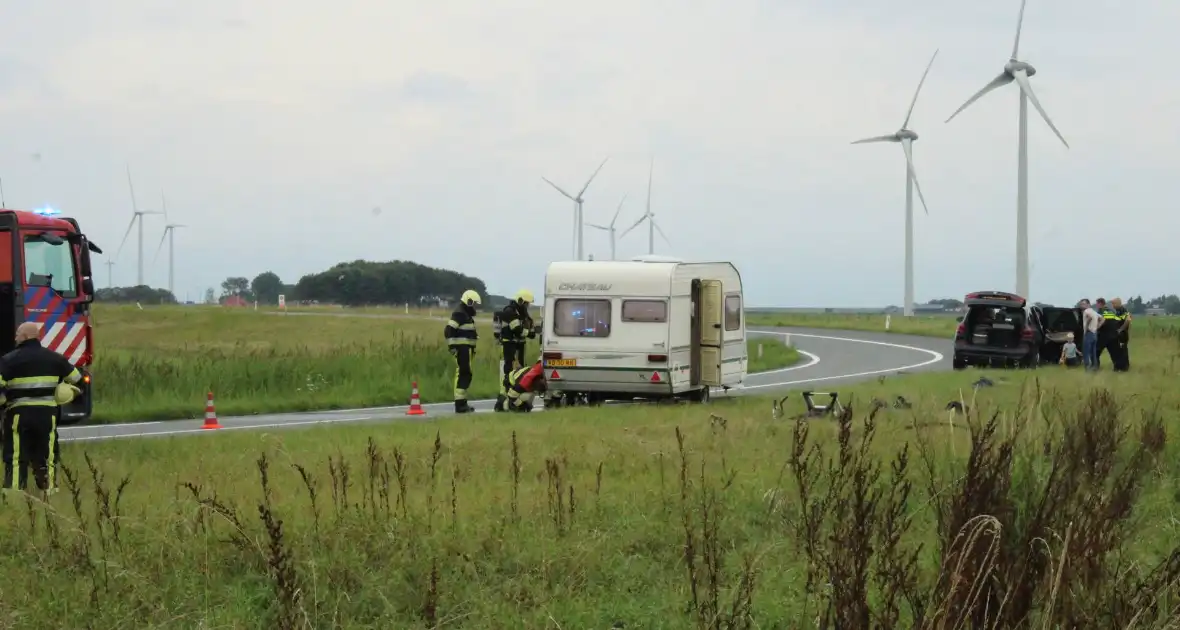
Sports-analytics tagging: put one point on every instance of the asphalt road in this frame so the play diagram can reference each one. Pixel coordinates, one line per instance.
(830, 358)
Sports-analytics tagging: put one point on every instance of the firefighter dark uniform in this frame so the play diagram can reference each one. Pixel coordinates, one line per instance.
(1121, 356)
(461, 339)
(513, 328)
(522, 385)
(31, 376)
(1108, 336)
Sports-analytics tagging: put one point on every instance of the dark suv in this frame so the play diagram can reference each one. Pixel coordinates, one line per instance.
(1001, 330)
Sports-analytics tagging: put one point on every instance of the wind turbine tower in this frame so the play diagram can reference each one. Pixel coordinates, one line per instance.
(906, 137)
(649, 216)
(1019, 71)
(110, 273)
(578, 250)
(169, 233)
(136, 215)
(610, 229)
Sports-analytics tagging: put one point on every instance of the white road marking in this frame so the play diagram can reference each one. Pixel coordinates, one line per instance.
(813, 360)
(935, 358)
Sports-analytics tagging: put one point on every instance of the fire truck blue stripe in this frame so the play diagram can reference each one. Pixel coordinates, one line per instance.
(57, 314)
(34, 297)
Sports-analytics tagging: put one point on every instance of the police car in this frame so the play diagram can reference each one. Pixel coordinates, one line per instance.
(1001, 329)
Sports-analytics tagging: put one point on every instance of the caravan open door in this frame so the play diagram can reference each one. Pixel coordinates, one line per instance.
(711, 309)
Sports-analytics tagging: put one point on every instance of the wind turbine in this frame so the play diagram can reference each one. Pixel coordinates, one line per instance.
(610, 229)
(578, 208)
(906, 138)
(169, 233)
(137, 214)
(649, 216)
(110, 273)
(1019, 71)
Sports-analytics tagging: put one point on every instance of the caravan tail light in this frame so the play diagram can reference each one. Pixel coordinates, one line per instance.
(657, 358)
(550, 355)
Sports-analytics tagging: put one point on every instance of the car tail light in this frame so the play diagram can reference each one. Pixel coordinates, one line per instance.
(657, 358)
(86, 379)
(962, 330)
(551, 355)
(1027, 333)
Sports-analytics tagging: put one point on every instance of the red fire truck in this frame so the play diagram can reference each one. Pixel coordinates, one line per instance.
(45, 277)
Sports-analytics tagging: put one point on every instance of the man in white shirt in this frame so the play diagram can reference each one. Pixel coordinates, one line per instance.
(1091, 321)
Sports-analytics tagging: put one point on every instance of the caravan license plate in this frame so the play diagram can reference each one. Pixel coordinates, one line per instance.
(561, 363)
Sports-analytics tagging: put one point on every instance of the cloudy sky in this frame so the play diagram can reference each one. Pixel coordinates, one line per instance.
(276, 128)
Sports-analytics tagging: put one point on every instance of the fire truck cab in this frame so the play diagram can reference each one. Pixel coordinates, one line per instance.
(45, 277)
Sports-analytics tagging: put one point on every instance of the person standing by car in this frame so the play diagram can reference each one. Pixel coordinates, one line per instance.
(1091, 321)
(1122, 360)
(1108, 333)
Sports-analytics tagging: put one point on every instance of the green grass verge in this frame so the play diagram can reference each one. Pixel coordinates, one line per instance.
(159, 363)
(635, 516)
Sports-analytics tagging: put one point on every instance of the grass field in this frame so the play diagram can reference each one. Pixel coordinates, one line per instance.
(1050, 504)
(159, 363)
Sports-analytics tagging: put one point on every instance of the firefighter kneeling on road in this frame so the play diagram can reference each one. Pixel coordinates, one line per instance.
(461, 339)
(522, 385)
(36, 382)
(513, 328)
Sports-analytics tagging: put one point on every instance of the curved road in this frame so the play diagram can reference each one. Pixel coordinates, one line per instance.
(830, 357)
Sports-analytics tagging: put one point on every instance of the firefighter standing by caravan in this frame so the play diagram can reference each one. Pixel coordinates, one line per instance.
(513, 328)
(36, 381)
(461, 338)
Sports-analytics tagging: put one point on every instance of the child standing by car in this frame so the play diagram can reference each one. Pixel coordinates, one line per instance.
(1069, 353)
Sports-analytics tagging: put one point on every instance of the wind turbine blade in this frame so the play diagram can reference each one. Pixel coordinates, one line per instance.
(919, 90)
(126, 234)
(650, 170)
(592, 177)
(633, 226)
(161, 245)
(1000, 81)
(558, 189)
(906, 145)
(661, 232)
(1019, 25)
(1026, 87)
(134, 207)
(889, 138)
(598, 227)
(617, 211)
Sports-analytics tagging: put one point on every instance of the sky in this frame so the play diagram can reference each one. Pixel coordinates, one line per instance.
(289, 136)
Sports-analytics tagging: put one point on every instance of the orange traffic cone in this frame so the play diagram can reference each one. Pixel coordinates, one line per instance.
(210, 414)
(415, 402)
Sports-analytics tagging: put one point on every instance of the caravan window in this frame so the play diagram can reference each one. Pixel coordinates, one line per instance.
(581, 318)
(733, 312)
(645, 311)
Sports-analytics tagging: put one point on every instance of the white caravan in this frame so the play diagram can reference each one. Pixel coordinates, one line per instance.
(648, 328)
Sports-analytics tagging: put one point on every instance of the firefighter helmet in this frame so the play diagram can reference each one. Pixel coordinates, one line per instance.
(470, 298)
(65, 393)
(524, 296)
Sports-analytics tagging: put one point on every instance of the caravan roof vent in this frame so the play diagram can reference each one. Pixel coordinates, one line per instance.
(656, 258)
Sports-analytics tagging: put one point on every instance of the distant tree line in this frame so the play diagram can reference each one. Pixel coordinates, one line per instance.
(359, 283)
(142, 294)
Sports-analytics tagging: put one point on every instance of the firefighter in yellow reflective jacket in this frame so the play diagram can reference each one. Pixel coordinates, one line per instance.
(36, 381)
(513, 327)
(522, 385)
(461, 338)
